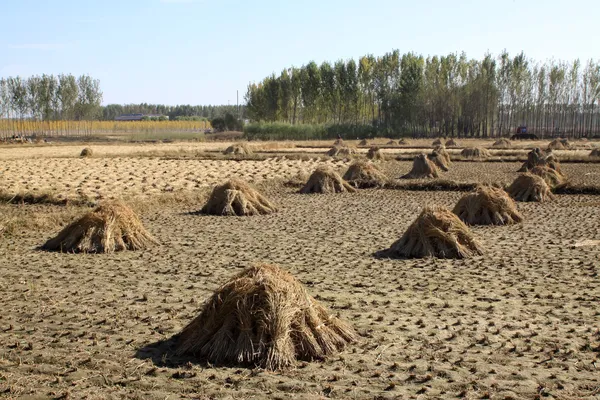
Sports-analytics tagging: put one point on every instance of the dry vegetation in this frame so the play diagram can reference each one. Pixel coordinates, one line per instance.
(515, 317)
(326, 180)
(111, 227)
(263, 317)
(436, 232)
(237, 198)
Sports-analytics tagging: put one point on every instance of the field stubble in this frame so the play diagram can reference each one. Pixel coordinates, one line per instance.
(521, 321)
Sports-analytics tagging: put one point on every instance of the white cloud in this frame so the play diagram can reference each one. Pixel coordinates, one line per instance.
(37, 46)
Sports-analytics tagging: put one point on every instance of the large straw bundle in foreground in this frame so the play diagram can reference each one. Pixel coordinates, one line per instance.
(452, 143)
(110, 227)
(529, 187)
(487, 205)
(437, 232)
(363, 174)
(475, 152)
(440, 158)
(502, 144)
(552, 177)
(237, 198)
(375, 153)
(239, 149)
(325, 180)
(86, 152)
(263, 317)
(422, 168)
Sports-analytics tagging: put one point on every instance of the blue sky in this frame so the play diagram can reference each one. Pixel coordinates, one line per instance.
(201, 51)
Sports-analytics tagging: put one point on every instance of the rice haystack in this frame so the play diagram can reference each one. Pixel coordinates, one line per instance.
(436, 232)
(340, 151)
(437, 142)
(502, 144)
(440, 158)
(363, 175)
(451, 143)
(325, 180)
(556, 144)
(363, 143)
(423, 167)
(375, 153)
(487, 205)
(339, 142)
(403, 142)
(392, 143)
(475, 152)
(552, 177)
(595, 153)
(536, 157)
(86, 152)
(239, 149)
(237, 198)
(529, 187)
(111, 227)
(263, 317)
(550, 160)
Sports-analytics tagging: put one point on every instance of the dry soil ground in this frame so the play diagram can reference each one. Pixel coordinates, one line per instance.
(522, 321)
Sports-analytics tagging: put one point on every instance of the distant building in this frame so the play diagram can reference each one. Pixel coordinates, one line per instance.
(139, 117)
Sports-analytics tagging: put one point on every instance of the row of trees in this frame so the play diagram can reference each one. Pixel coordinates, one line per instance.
(179, 112)
(448, 95)
(50, 98)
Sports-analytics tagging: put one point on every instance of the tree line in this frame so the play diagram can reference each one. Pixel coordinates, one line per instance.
(178, 112)
(449, 95)
(50, 97)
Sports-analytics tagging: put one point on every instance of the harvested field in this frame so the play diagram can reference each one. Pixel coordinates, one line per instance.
(520, 321)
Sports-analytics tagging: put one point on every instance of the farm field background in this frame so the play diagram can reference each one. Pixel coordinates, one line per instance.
(518, 322)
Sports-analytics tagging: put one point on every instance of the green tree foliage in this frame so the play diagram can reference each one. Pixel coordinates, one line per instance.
(449, 95)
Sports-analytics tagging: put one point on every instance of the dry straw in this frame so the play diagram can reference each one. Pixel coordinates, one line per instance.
(437, 142)
(595, 153)
(263, 317)
(475, 152)
(537, 157)
(112, 226)
(86, 152)
(375, 153)
(558, 144)
(436, 232)
(422, 168)
(239, 149)
(392, 143)
(552, 177)
(487, 205)
(325, 180)
(237, 198)
(363, 174)
(403, 142)
(529, 187)
(440, 158)
(502, 144)
(452, 143)
(340, 151)
(363, 142)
